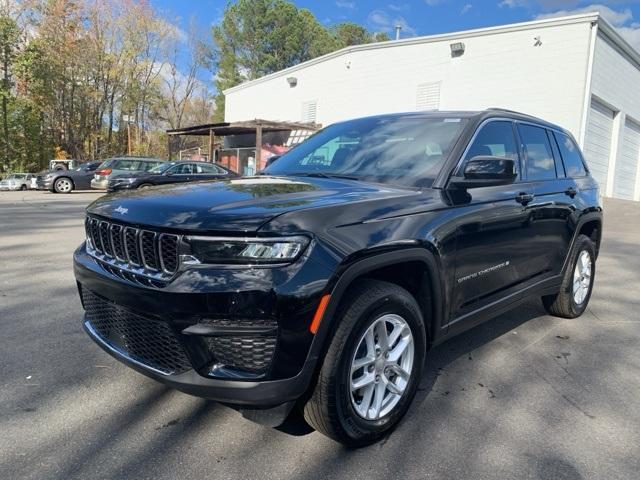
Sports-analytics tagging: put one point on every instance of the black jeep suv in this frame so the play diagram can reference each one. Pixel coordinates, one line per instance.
(320, 284)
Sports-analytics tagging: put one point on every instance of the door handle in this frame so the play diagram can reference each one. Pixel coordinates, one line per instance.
(524, 198)
(572, 192)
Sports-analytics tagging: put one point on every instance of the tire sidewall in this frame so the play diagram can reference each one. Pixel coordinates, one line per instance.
(55, 186)
(356, 427)
(583, 245)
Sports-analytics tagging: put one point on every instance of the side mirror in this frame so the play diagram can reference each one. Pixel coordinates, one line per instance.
(168, 174)
(272, 159)
(486, 171)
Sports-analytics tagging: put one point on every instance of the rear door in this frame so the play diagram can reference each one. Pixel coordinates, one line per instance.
(209, 171)
(549, 212)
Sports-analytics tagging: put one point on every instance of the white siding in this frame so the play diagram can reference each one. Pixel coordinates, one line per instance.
(497, 70)
(616, 80)
(598, 141)
(627, 165)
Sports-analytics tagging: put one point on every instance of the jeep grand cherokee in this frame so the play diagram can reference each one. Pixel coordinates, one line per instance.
(321, 283)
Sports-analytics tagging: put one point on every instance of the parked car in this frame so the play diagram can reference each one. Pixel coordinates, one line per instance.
(16, 181)
(322, 283)
(65, 181)
(120, 166)
(170, 172)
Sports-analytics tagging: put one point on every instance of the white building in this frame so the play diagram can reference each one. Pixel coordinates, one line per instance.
(576, 71)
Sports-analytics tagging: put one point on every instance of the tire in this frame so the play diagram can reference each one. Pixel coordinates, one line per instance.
(332, 407)
(23, 187)
(567, 303)
(144, 185)
(63, 185)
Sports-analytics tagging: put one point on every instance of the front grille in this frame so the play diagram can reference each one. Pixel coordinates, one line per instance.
(145, 340)
(142, 252)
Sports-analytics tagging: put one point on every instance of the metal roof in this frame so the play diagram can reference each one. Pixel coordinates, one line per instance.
(237, 128)
(593, 17)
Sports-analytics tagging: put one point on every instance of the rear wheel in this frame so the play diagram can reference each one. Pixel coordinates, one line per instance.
(63, 185)
(577, 282)
(373, 366)
(23, 187)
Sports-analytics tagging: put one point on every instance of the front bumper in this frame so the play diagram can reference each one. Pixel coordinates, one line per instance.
(234, 295)
(99, 184)
(45, 184)
(117, 186)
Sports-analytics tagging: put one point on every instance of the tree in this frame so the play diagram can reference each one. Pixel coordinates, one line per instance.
(9, 34)
(259, 37)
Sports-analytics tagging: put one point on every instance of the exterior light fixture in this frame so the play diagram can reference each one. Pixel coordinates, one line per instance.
(457, 49)
(292, 81)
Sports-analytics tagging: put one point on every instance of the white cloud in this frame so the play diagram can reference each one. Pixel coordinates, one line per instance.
(381, 21)
(617, 18)
(621, 19)
(466, 9)
(399, 7)
(345, 4)
(433, 3)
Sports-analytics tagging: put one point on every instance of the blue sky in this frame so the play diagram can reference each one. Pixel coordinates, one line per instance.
(423, 17)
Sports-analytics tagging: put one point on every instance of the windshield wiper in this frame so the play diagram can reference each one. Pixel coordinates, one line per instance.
(323, 175)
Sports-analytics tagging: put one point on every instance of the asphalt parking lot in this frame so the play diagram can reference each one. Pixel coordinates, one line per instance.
(522, 396)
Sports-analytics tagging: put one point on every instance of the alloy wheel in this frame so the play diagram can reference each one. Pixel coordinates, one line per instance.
(381, 366)
(582, 277)
(63, 185)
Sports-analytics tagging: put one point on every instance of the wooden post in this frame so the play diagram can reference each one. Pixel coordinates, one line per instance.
(212, 138)
(258, 146)
(169, 146)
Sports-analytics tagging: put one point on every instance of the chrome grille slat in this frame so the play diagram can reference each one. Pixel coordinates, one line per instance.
(141, 256)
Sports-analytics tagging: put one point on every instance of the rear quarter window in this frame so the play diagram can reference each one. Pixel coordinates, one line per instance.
(571, 156)
(128, 165)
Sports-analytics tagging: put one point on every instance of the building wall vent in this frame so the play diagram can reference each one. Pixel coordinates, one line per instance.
(428, 96)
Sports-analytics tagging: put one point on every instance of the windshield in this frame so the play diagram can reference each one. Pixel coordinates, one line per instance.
(162, 167)
(408, 151)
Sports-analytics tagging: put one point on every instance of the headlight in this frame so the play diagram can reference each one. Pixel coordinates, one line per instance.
(247, 250)
(48, 175)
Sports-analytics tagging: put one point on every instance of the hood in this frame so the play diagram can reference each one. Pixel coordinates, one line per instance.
(240, 205)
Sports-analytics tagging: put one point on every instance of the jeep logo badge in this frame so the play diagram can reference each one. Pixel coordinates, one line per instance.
(121, 210)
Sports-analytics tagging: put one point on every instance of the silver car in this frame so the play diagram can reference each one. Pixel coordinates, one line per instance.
(17, 181)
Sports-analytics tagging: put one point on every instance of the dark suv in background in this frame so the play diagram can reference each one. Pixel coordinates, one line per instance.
(170, 172)
(321, 284)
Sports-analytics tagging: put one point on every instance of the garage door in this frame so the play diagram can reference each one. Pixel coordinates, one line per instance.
(627, 164)
(597, 142)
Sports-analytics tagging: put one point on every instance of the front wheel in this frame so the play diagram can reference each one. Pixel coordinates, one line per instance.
(373, 366)
(62, 185)
(577, 282)
(145, 185)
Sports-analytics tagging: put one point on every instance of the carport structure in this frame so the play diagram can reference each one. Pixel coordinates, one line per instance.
(253, 131)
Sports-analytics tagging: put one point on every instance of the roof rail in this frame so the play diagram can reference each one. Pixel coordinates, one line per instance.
(498, 109)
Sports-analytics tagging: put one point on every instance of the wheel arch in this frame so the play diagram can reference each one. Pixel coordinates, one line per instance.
(414, 269)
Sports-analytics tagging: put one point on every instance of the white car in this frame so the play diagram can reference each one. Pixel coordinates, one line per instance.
(17, 181)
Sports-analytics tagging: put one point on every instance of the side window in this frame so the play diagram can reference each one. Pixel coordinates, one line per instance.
(570, 156)
(539, 163)
(146, 166)
(209, 168)
(182, 169)
(495, 139)
(127, 165)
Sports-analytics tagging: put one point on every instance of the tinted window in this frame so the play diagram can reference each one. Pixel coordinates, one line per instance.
(409, 150)
(128, 165)
(209, 168)
(182, 169)
(538, 154)
(494, 139)
(570, 156)
(146, 166)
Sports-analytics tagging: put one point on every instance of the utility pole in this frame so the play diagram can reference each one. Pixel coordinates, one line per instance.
(127, 118)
